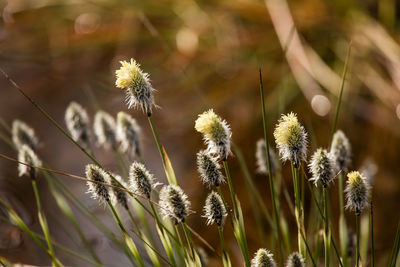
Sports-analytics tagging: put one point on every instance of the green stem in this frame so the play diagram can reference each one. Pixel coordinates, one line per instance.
(128, 240)
(221, 238)
(188, 239)
(326, 232)
(231, 189)
(178, 233)
(43, 223)
(358, 240)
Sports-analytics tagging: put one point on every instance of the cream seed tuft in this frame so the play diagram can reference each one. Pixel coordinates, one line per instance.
(105, 130)
(141, 180)
(174, 203)
(214, 209)
(128, 134)
(209, 169)
(22, 134)
(263, 258)
(295, 260)
(261, 158)
(322, 167)
(77, 121)
(357, 192)
(98, 191)
(28, 156)
(119, 196)
(291, 139)
(341, 150)
(139, 91)
(216, 133)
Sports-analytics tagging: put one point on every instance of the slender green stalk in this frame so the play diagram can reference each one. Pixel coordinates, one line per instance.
(181, 243)
(326, 232)
(298, 210)
(358, 240)
(188, 239)
(271, 180)
(156, 138)
(225, 257)
(231, 189)
(43, 224)
(128, 240)
(371, 225)
(346, 64)
(396, 248)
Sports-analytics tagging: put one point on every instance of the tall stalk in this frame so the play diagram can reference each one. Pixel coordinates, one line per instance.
(298, 211)
(271, 180)
(326, 231)
(358, 239)
(371, 224)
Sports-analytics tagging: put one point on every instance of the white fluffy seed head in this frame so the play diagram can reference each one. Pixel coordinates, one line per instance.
(261, 158)
(209, 169)
(214, 209)
(369, 169)
(128, 134)
(174, 203)
(28, 156)
(77, 121)
(141, 180)
(105, 130)
(139, 92)
(119, 196)
(291, 139)
(263, 258)
(358, 192)
(98, 191)
(341, 150)
(322, 167)
(22, 134)
(216, 133)
(295, 260)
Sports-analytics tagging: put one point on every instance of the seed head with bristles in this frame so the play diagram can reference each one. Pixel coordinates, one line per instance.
(22, 134)
(322, 167)
(28, 156)
(263, 258)
(139, 91)
(141, 180)
(77, 121)
(291, 139)
(209, 169)
(119, 196)
(216, 133)
(341, 150)
(105, 130)
(174, 203)
(357, 192)
(98, 191)
(261, 158)
(295, 260)
(214, 209)
(128, 134)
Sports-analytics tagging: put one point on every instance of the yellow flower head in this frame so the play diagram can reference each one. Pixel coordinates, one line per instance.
(357, 192)
(137, 84)
(216, 132)
(291, 139)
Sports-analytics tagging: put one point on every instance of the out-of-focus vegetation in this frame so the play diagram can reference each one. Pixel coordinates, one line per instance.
(200, 55)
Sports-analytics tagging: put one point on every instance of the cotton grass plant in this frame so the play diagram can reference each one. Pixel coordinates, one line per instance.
(168, 209)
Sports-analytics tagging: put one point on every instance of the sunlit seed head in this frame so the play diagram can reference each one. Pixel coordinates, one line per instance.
(295, 260)
(105, 130)
(357, 192)
(137, 85)
(216, 133)
(322, 167)
(341, 150)
(98, 191)
(22, 134)
(141, 180)
(128, 134)
(28, 156)
(77, 121)
(209, 169)
(119, 196)
(214, 209)
(174, 203)
(263, 258)
(291, 139)
(261, 158)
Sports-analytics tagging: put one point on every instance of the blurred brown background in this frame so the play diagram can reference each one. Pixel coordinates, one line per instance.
(200, 55)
